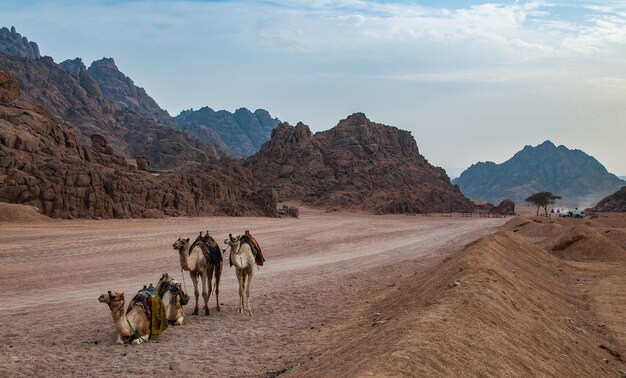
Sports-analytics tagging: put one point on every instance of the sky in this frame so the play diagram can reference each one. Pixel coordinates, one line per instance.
(472, 80)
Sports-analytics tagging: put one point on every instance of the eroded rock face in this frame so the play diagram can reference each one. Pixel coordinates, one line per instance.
(12, 43)
(615, 203)
(82, 104)
(243, 132)
(45, 163)
(124, 94)
(357, 164)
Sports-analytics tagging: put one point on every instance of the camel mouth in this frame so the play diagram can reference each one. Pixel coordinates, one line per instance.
(102, 298)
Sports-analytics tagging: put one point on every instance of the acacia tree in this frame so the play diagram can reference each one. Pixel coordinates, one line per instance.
(543, 199)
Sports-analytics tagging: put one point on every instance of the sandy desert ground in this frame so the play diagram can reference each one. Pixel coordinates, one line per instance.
(341, 294)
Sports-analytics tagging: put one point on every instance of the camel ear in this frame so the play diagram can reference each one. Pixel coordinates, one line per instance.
(187, 240)
(109, 292)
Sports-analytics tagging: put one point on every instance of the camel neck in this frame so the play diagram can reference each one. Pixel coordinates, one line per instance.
(120, 322)
(184, 258)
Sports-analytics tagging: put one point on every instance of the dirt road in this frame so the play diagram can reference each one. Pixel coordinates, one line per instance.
(319, 268)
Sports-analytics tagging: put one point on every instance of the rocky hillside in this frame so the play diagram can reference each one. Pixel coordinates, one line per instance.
(243, 131)
(70, 92)
(124, 94)
(45, 163)
(616, 202)
(357, 164)
(12, 43)
(572, 174)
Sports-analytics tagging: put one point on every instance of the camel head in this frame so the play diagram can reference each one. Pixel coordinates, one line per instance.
(165, 279)
(111, 298)
(181, 244)
(232, 240)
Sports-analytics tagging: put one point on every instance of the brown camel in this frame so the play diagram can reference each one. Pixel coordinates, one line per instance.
(242, 259)
(192, 260)
(132, 325)
(213, 258)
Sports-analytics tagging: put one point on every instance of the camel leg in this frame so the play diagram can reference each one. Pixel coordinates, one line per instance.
(218, 275)
(248, 283)
(119, 340)
(205, 293)
(141, 339)
(209, 276)
(240, 279)
(196, 293)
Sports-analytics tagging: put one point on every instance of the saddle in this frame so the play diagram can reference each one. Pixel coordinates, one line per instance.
(254, 246)
(210, 249)
(153, 308)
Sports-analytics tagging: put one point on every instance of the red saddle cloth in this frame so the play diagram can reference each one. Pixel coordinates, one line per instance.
(256, 249)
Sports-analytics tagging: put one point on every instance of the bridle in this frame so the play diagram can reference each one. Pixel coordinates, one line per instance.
(111, 300)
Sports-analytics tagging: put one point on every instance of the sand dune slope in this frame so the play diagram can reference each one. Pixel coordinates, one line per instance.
(502, 307)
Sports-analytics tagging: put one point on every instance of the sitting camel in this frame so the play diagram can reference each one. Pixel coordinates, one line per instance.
(173, 298)
(192, 260)
(131, 325)
(242, 258)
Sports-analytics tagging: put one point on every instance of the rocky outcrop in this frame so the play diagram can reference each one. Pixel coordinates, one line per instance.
(506, 207)
(70, 93)
(615, 203)
(124, 94)
(45, 163)
(572, 174)
(12, 43)
(357, 164)
(243, 132)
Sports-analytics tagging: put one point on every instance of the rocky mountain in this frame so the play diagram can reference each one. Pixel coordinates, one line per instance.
(357, 164)
(135, 128)
(12, 43)
(615, 203)
(243, 132)
(45, 163)
(572, 174)
(122, 91)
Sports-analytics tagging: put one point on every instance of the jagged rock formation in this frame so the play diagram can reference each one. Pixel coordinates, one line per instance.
(243, 132)
(121, 90)
(69, 92)
(12, 43)
(357, 164)
(571, 174)
(616, 202)
(44, 163)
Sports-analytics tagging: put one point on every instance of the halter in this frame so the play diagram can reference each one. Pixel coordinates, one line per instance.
(111, 300)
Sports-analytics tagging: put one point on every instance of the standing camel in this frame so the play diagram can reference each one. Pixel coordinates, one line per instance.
(193, 261)
(213, 257)
(242, 259)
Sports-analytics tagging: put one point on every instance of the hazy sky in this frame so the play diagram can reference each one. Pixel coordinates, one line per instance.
(472, 80)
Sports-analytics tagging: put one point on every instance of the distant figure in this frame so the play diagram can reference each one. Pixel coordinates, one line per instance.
(552, 211)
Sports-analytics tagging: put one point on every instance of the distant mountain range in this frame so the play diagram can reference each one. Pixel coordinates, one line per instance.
(102, 100)
(572, 174)
(243, 132)
(80, 142)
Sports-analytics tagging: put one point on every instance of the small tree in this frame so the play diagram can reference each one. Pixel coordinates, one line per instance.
(543, 199)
